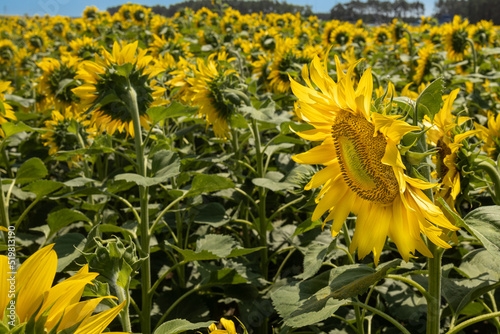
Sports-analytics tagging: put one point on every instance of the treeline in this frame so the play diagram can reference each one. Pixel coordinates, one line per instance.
(375, 11)
(244, 7)
(474, 10)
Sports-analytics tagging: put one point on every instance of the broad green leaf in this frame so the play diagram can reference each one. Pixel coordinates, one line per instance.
(214, 246)
(314, 257)
(180, 326)
(67, 248)
(144, 181)
(271, 149)
(271, 183)
(266, 114)
(212, 214)
(430, 100)
(307, 226)
(11, 128)
(175, 109)
(165, 165)
(43, 187)
(64, 217)
(18, 100)
(484, 224)
(31, 170)
(203, 183)
(287, 298)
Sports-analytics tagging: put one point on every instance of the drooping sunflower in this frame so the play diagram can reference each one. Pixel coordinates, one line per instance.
(8, 51)
(455, 38)
(213, 90)
(490, 134)
(84, 48)
(287, 59)
(483, 34)
(364, 173)
(224, 327)
(6, 111)
(106, 81)
(55, 73)
(444, 133)
(67, 131)
(35, 296)
(424, 62)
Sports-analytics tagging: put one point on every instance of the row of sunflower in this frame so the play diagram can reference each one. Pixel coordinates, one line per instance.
(163, 160)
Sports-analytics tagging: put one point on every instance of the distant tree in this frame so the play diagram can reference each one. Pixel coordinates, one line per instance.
(376, 11)
(474, 10)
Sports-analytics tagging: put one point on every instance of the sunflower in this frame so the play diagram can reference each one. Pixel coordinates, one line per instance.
(341, 35)
(490, 134)
(60, 303)
(424, 63)
(85, 48)
(6, 112)
(213, 90)
(58, 79)
(287, 59)
(8, 51)
(455, 39)
(105, 87)
(225, 327)
(364, 173)
(483, 34)
(445, 135)
(67, 131)
(36, 41)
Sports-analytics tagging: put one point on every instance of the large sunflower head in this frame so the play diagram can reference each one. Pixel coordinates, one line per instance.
(106, 82)
(363, 170)
(455, 39)
(60, 304)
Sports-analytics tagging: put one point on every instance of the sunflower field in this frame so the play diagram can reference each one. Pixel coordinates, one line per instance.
(215, 172)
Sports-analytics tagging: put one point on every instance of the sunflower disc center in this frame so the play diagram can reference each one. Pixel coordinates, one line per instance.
(360, 156)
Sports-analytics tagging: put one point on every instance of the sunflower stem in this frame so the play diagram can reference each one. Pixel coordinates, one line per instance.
(144, 223)
(474, 55)
(4, 210)
(494, 174)
(262, 228)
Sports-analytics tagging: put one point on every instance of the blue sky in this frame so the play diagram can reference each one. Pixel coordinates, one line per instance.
(76, 7)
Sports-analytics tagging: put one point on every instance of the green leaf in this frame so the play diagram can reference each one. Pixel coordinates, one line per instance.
(271, 182)
(43, 187)
(64, 217)
(484, 224)
(141, 180)
(313, 258)
(174, 110)
(180, 325)
(430, 100)
(203, 183)
(66, 246)
(31, 170)
(212, 214)
(266, 114)
(307, 226)
(213, 247)
(11, 128)
(165, 165)
(18, 100)
(344, 282)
